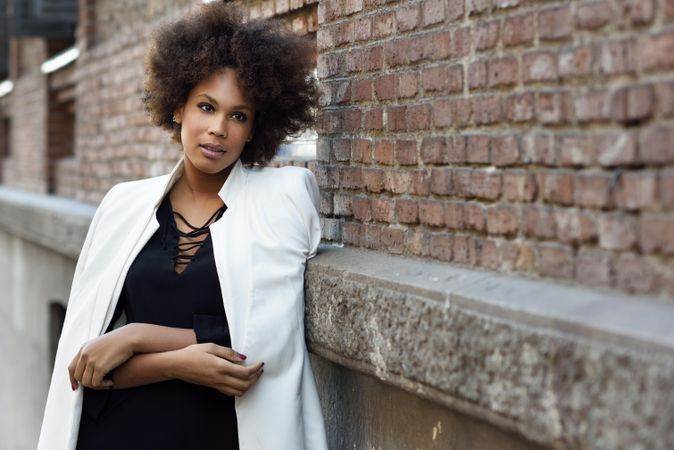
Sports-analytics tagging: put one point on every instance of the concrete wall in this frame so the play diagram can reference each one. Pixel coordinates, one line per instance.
(31, 277)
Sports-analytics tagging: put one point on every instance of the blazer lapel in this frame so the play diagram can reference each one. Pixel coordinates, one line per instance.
(140, 230)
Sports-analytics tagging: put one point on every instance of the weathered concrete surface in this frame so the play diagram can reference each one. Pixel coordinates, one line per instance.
(564, 367)
(57, 223)
(361, 412)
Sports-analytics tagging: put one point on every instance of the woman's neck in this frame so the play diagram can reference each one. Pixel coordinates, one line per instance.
(199, 185)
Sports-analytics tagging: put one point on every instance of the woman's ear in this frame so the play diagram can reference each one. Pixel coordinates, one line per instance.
(178, 116)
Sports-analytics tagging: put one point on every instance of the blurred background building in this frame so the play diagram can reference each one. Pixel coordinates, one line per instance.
(497, 203)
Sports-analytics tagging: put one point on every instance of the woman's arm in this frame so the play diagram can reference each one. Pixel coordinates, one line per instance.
(206, 364)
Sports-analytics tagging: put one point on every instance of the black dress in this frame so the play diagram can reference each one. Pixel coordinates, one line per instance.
(170, 415)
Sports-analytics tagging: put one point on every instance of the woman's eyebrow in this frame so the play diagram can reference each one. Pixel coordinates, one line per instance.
(215, 102)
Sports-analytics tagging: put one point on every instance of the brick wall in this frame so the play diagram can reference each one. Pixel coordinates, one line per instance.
(114, 141)
(528, 136)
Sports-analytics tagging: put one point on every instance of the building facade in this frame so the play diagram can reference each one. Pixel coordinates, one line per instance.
(497, 202)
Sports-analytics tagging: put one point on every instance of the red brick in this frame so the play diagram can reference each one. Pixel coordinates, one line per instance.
(360, 206)
(336, 93)
(554, 107)
(373, 119)
(475, 7)
(503, 219)
(455, 215)
(617, 148)
(657, 51)
(664, 98)
(518, 30)
(668, 8)
(406, 152)
(503, 72)
(538, 222)
(352, 121)
(633, 103)
(432, 213)
(420, 182)
(361, 151)
(593, 15)
(398, 182)
(576, 149)
(505, 150)
(342, 204)
(634, 274)
(383, 25)
(464, 249)
(593, 267)
(382, 210)
(519, 186)
(485, 184)
(373, 180)
(487, 109)
(666, 188)
(362, 30)
(486, 35)
(396, 52)
(441, 246)
(576, 62)
(433, 150)
(407, 211)
(477, 75)
(383, 152)
(461, 112)
(592, 190)
(351, 233)
(408, 18)
(555, 261)
(441, 181)
(393, 240)
(539, 65)
(618, 57)
(455, 9)
(574, 226)
(656, 144)
(617, 231)
(408, 85)
(371, 236)
(443, 78)
(384, 87)
(477, 148)
(396, 117)
(538, 148)
(636, 190)
(341, 149)
(504, 4)
(461, 182)
(519, 107)
(555, 23)
(593, 105)
(558, 187)
(417, 242)
(656, 233)
(351, 178)
(418, 117)
(433, 11)
(475, 216)
(435, 46)
(461, 42)
(441, 113)
(361, 90)
(640, 12)
(456, 150)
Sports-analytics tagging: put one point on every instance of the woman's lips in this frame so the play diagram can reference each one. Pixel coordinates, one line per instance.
(212, 152)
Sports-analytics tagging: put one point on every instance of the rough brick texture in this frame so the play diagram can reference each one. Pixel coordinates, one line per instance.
(517, 136)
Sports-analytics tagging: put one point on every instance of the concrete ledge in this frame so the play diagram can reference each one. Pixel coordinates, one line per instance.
(57, 223)
(566, 367)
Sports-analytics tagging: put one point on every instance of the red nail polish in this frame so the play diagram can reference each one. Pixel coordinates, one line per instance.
(242, 356)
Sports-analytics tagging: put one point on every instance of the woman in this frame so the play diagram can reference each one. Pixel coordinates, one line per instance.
(182, 276)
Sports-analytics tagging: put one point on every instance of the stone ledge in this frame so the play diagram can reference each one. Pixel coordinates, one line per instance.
(57, 223)
(566, 367)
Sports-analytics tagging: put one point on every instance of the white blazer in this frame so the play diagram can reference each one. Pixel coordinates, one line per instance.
(260, 244)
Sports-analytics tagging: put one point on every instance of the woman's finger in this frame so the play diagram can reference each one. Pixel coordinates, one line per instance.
(226, 353)
(87, 375)
(71, 371)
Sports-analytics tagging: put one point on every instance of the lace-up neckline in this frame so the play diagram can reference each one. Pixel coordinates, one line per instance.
(186, 244)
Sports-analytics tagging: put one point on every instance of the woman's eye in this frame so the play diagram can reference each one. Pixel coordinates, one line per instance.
(205, 107)
(241, 117)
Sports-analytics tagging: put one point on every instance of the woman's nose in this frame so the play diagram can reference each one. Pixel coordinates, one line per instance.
(218, 127)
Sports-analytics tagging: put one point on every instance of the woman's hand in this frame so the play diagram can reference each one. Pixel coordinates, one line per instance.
(216, 367)
(99, 356)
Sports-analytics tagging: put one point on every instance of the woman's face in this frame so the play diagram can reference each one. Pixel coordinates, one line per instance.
(216, 122)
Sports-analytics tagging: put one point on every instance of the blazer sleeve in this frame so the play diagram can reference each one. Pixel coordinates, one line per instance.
(304, 197)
